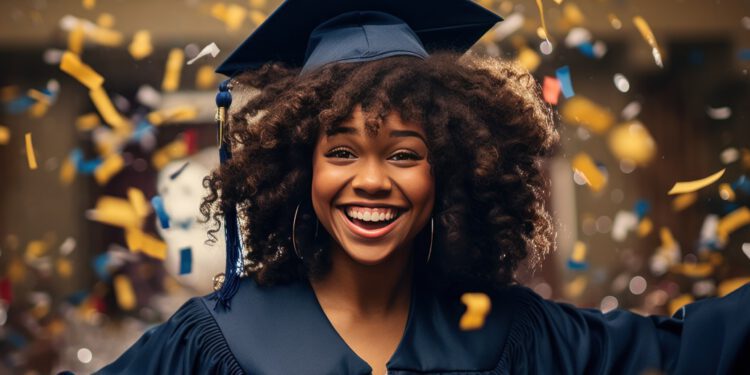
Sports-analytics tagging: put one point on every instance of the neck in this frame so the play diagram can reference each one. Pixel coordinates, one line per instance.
(366, 290)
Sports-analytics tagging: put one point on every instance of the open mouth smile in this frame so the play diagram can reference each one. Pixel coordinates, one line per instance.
(370, 223)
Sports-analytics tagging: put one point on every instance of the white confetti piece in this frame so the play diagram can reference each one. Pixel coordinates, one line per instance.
(211, 49)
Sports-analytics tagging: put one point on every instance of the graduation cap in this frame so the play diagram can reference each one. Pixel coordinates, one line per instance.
(313, 33)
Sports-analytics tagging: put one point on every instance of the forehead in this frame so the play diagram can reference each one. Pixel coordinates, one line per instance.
(392, 125)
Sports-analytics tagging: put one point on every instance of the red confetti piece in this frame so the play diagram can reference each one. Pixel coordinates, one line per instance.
(551, 90)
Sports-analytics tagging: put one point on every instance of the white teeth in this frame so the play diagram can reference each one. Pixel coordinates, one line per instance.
(368, 214)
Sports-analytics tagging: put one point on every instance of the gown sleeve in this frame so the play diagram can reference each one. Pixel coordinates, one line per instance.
(190, 342)
(711, 336)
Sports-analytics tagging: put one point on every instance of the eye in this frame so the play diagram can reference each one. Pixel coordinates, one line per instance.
(339, 153)
(403, 155)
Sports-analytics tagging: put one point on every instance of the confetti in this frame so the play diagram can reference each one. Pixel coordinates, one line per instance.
(746, 249)
(563, 75)
(541, 15)
(30, 157)
(148, 96)
(75, 39)
(112, 165)
(694, 270)
(720, 113)
(186, 261)
(730, 285)
(528, 59)
(205, 78)
(104, 36)
(679, 302)
(67, 246)
(645, 227)
(572, 15)
(510, 25)
(585, 166)
(141, 46)
(138, 201)
(211, 49)
(116, 212)
(104, 105)
(581, 111)
(648, 35)
(577, 260)
(624, 222)
(731, 222)
(551, 90)
(726, 193)
(87, 122)
(35, 250)
(64, 268)
(154, 247)
(684, 201)
(577, 36)
(124, 293)
(576, 287)
(179, 171)
(67, 171)
(478, 305)
(176, 114)
(158, 205)
(232, 15)
(174, 150)
(729, 155)
(4, 135)
(632, 141)
(690, 186)
(89, 4)
(72, 64)
(173, 69)
(614, 21)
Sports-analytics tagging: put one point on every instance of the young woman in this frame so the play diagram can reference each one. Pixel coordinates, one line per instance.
(376, 185)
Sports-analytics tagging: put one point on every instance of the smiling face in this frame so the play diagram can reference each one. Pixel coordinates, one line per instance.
(373, 194)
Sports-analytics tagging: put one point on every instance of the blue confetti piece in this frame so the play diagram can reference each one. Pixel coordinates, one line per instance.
(642, 208)
(19, 105)
(563, 75)
(729, 207)
(744, 54)
(577, 266)
(16, 339)
(158, 205)
(100, 264)
(143, 128)
(587, 49)
(77, 298)
(186, 260)
(742, 184)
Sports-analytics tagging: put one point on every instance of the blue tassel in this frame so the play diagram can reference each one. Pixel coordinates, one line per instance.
(231, 230)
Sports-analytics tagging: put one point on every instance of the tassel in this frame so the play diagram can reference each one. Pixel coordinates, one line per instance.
(231, 229)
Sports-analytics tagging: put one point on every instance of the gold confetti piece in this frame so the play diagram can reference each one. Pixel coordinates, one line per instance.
(558, 2)
(648, 35)
(174, 150)
(232, 15)
(478, 305)
(544, 24)
(176, 114)
(726, 193)
(645, 227)
(585, 166)
(575, 288)
(35, 250)
(730, 285)
(107, 109)
(684, 201)
(631, 141)
(528, 59)
(696, 270)
(75, 39)
(154, 247)
(746, 158)
(38, 95)
(16, 270)
(39, 109)
(40, 311)
(173, 70)
(257, 17)
(115, 211)
(105, 37)
(105, 20)
(30, 157)
(134, 239)
(572, 15)
(4, 135)
(67, 172)
(89, 4)
(581, 111)
(614, 21)
(258, 3)
(8, 93)
(733, 221)
(72, 64)
(667, 240)
(141, 46)
(64, 268)
(124, 293)
(87, 122)
(111, 165)
(141, 207)
(579, 252)
(205, 78)
(679, 302)
(690, 186)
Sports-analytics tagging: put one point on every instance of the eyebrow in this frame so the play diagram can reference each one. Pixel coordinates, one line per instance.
(394, 133)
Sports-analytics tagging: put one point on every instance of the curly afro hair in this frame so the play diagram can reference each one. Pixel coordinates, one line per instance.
(488, 134)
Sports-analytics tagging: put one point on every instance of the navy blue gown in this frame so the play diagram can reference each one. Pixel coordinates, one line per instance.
(283, 330)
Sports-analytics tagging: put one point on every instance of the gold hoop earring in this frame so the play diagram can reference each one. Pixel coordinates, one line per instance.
(432, 234)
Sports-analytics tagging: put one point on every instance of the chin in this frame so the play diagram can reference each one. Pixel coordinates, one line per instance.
(369, 256)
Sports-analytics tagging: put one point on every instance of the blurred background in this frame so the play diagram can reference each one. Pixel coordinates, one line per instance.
(106, 131)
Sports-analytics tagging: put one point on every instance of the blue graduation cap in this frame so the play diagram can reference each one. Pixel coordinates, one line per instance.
(309, 34)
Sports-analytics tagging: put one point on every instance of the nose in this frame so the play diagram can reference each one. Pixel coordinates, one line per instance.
(372, 178)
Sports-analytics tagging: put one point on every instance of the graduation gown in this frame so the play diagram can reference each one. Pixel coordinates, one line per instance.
(283, 330)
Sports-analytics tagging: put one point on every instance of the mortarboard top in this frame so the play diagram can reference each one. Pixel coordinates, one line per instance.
(284, 37)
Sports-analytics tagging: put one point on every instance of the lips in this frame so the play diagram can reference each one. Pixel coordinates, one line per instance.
(365, 232)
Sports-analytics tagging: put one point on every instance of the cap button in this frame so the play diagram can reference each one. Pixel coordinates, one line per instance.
(218, 281)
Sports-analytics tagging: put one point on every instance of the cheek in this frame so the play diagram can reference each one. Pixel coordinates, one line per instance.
(326, 183)
(419, 186)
